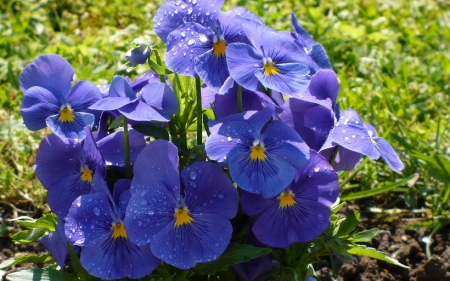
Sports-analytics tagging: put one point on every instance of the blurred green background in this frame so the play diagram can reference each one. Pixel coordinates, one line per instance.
(392, 59)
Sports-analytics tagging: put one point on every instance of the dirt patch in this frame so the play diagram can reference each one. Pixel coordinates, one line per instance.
(406, 246)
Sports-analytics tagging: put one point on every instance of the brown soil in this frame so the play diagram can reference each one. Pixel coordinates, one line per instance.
(404, 245)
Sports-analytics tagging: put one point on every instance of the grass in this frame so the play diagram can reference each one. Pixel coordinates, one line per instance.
(392, 59)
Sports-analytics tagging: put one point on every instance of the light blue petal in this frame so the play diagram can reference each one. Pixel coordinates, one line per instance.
(389, 155)
(82, 95)
(72, 129)
(212, 70)
(38, 104)
(243, 61)
(161, 97)
(140, 111)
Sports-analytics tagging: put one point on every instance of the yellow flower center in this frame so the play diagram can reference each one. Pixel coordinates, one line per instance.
(286, 199)
(257, 152)
(66, 114)
(86, 174)
(270, 69)
(219, 48)
(119, 230)
(182, 216)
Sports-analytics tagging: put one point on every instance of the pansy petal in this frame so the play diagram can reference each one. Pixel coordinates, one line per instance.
(355, 138)
(82, 95)
(324, 84)
(227, 85)
(226, 104)
(112, 147)
(139, 54)
(56, 245)
(209, 190)
(150, 209)
(389, 155)
(281, 49)
(283, 141)
(161, 97)
(111, 259)
(218, 145)
(254, 204)
(185, 44)
(140, 111)
(320, 120)
(120, 94)
(346, 160)
(203, 240)
(269, 176)
(243, 61)
(253, 30)
(38, 104)
(291, 79)
(71, 129)
(208, 96)
(174, 13)
(49, 71)
(320, 57)
(89, 218)
(158, 161)
(231, 28)
(144, 79)
(281, 227)
(317, 181)
(90, 147)
(212, 69)
(302, 35)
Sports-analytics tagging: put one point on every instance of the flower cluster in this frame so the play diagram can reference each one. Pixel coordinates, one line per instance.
(129, 199)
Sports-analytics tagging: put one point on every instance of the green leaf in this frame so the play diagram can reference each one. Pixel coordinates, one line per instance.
(79, 269)
(434, 223)
(362, 250)
(27, 259)
(29, 236)
(437, 165)
(118, 122)
(365, 236)
(234, 254)
(161, 70)
(47, 221)
(348, 224)
(375, 191)
(41, 274)
(153, 131)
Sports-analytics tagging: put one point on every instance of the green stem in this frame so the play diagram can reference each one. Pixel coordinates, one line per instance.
(126, 143)
(333, 157)
(162, 78)
(199, 110)
(239, 98)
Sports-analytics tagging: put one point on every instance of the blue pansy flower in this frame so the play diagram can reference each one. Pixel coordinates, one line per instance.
(301, 212)
(351, 133)
(194, 49)
(272, 60)
(67, 169)
(314, 113)
(154, 102)
(261, 158)
(96, 223)
(50, 101)
(185, 221)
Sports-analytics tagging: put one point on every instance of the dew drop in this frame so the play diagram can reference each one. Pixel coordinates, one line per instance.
(144, 203)
(183, 34)
(191, 42)
(316, 169)
(229, 139)
(203, 38)
(97, 211)
(220, 196)
(193, 175)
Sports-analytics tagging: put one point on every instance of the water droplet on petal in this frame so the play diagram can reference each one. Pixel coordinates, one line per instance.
(144, 203)
(193, 175)
(97, 211)
(316, 169)
(229, 139)
(191, 42)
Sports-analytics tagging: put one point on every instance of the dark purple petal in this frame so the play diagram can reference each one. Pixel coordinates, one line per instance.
(157, 162)
(226, 104)
(254, 204)
(89, 218)
(71, 129)
(38, 104)
(111, 259)
(291, 79)
(56, 245)
(82, 95)
(317, 181)
(146, 78)
(212, 69)
(209, 190)
(281, 227)
(140, 111)
(150, 209)
(324, 84)
(51, 72)
(243, 61)
(389, 155)
(268, 177)
(112, 147)
(93, 153)
(320, 57)
(202, 240)
(161, 97)
(173, 13)
(185, 44)
(320, 120)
